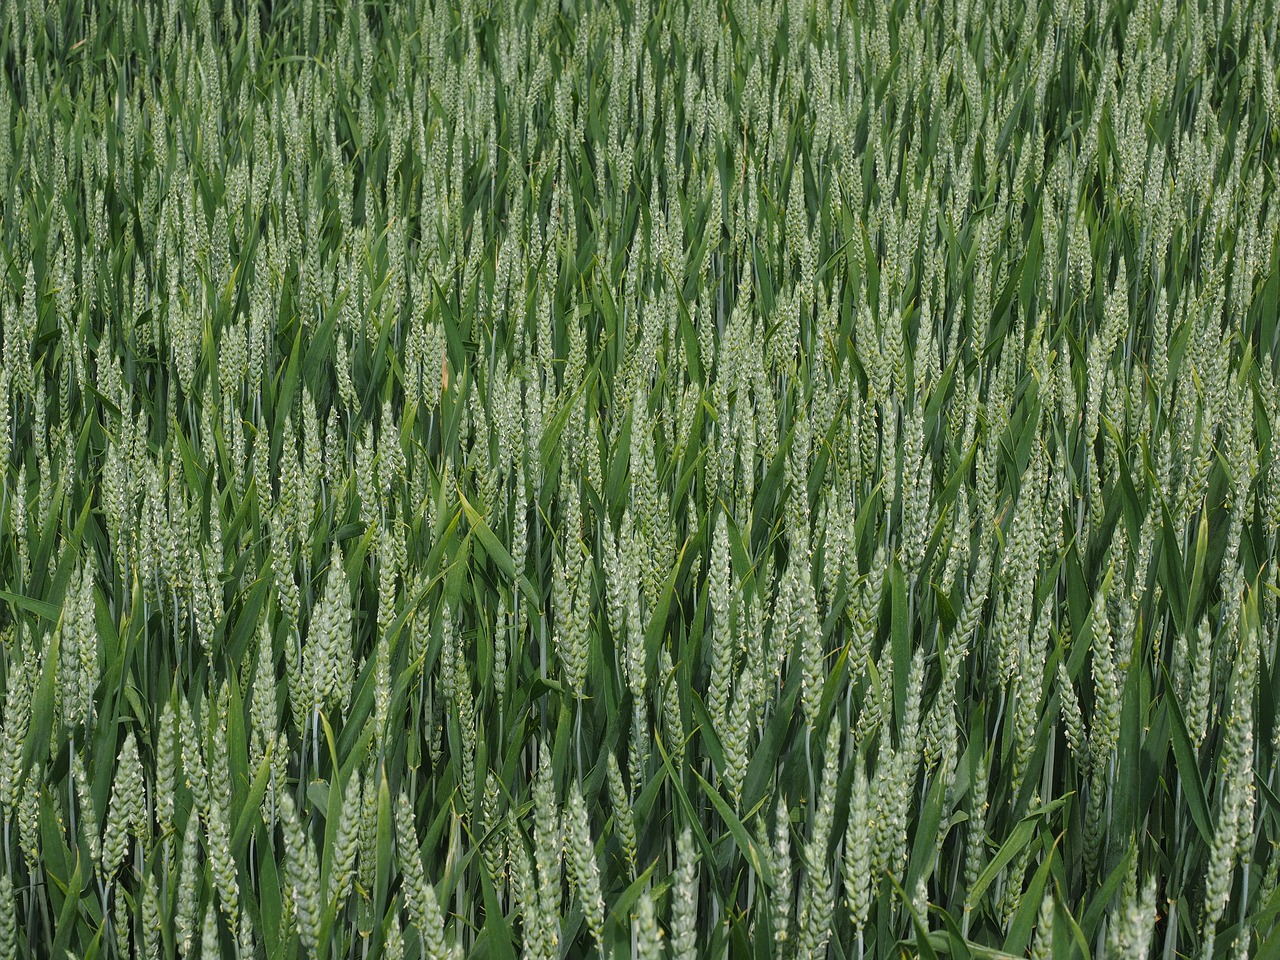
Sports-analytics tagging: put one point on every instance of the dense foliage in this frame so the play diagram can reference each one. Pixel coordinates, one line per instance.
(683, 478)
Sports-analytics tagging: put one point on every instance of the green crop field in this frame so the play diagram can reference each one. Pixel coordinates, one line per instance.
(754, 479)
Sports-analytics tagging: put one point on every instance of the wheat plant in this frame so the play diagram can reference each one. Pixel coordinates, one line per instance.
(743, 479)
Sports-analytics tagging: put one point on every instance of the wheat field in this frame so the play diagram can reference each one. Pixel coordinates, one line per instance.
(753, 479)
